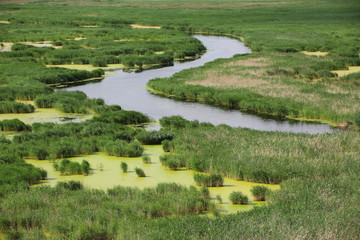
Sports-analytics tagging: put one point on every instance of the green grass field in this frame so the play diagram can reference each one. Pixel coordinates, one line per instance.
(319, 174)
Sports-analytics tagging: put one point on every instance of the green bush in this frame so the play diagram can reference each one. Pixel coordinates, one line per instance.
(139, 172)
(124, 167)
(146, 159)
(212, 180)
(260, 193)
(238, 198)
(70, 185)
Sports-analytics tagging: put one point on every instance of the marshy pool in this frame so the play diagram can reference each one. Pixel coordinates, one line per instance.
(111, 175)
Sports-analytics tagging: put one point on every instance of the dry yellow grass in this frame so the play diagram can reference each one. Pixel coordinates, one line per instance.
(252, 74)
(251, 62)
(143, 26)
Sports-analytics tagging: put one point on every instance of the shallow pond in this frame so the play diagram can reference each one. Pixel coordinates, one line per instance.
(128, 89)
(111, 175)
(46, 115)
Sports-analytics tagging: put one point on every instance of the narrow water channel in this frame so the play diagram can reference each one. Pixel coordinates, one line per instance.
(128, 89)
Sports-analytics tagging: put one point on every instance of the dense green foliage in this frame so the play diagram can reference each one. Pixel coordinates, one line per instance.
(154, 137)
(260, 193)
(15, 107)
(15, 173)
(72, 139)
(271, 83)
(121, 117)
(212, 180)
(319, 174)
(68, 102)
(139, 172)
(146, 159)
(14, 125)
(67, 167)
(124, 167)
(304, 208)
(238, 198)
(267, 157)
(27, 82)
(99, 214)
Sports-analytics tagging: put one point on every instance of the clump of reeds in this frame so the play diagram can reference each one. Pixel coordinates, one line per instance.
(139, 172)
(238, 197)
(212, 180)
(146, 159)
(124, 167)
(260, 193)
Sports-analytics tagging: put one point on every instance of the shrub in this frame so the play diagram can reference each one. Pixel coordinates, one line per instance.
(146, 159)
(13, 125)
(56, 166)
(172, 164)
(205, 193)
(139, 172)
(238, 198)
(70, 185)
(259, 193)
(212, 180)
(85, 167)
(68, 167)
(219, 199)
(153, 137)
(124, 167)
(167, 146)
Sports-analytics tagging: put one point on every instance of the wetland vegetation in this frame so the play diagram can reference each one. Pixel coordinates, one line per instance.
(318, 174)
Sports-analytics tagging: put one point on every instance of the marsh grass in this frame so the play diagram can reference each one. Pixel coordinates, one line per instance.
(271, 84)
(124, 167)
(238, 198)
(139, 172)
(67, 167)
(53, 209)
(260, 193)
(146, 159)
(212, 180)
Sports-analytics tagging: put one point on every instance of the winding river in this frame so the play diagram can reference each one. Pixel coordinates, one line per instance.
(128, 89)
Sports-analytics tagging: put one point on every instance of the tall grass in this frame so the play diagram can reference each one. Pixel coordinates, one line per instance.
(266, 157)
(52, 209)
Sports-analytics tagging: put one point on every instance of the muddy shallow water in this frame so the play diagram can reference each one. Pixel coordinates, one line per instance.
(128, 89)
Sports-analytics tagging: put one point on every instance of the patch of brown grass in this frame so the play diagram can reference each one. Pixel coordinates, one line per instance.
(251, 62)
(143, 26)
(218, 80)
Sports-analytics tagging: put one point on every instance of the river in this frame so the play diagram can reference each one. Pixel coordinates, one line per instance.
(128, 89)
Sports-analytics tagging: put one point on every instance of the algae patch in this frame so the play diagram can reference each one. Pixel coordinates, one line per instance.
(352, 69)
(47, 115)
(107, 173)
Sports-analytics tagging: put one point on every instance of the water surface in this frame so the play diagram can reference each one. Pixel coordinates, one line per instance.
(127, 89)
